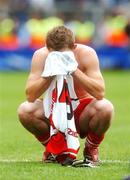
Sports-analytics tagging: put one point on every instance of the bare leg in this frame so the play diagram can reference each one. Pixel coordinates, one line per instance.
(94, 122)
(31, 115)
(96, 117)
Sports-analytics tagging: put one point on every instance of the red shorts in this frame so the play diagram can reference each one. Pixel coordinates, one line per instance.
(77, 113)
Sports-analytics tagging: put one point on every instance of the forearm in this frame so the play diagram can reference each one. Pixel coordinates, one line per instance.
(92, 86)
(37, 88)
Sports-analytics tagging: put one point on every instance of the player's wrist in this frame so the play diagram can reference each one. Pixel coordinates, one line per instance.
(75, 73)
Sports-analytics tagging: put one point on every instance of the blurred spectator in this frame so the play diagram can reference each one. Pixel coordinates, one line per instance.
(46, 6)
(25, 23)
(84, 31)
(24, 36)
(8, 36)
(19, 9)
(42, 26)
(4, 8)
(111, 30)
(127, 31)
(113, 3)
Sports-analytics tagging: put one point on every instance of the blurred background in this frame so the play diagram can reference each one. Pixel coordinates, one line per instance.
(102, 24)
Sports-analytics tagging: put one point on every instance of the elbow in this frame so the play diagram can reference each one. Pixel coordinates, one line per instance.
(29, 96)
(101, 94)
(30, 99)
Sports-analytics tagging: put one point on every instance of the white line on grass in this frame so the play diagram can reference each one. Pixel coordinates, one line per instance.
(17, 161)
(110, 161)
(107, 161)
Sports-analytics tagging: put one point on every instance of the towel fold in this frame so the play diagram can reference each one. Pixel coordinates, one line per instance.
(59, 103)
(59, 63)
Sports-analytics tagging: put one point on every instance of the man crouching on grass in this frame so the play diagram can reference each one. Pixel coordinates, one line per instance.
(94, 113)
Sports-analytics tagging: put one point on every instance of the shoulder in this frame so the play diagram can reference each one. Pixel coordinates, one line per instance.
(42, 52)
(40, 56)
(85, 54)
(84, 48)
(38, 60)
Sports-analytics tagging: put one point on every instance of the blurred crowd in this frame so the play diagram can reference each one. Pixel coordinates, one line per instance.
(24, 23)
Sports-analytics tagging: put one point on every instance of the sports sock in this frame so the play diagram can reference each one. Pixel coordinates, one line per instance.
(93, 139)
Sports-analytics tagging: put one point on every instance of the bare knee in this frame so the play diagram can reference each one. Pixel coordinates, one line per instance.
(106, 111)
(25, 113)
(21, 112)
(102, 118)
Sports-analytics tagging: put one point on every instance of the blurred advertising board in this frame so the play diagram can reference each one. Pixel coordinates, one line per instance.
(20, 59)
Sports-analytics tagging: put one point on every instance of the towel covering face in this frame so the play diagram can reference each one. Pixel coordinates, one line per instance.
(59, 103)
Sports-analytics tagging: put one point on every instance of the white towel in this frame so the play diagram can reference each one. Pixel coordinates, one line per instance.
(60, 99)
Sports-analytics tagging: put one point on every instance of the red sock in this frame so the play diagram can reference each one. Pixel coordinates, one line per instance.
(57, 144)
(94, 140)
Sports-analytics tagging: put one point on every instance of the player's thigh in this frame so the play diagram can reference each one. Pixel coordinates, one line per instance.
(103, 106)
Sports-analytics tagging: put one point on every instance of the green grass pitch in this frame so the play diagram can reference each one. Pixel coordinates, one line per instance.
(20, 153)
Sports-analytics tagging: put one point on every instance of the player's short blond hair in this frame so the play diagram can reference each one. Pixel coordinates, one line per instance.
(60, 37)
